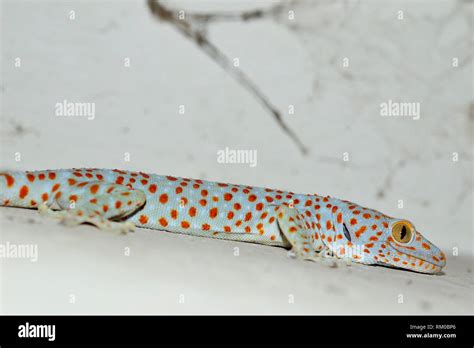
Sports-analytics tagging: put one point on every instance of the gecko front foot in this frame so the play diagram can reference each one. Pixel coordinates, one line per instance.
(74, 217)
(97, 203)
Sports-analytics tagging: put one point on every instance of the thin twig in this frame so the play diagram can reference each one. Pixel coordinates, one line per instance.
(200, 38)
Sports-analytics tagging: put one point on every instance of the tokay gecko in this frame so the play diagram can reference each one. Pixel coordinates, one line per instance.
(318, 228)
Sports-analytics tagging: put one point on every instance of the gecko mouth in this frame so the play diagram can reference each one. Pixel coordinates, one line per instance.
(414, 261)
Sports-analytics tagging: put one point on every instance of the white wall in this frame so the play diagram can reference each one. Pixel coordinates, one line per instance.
(295, 62)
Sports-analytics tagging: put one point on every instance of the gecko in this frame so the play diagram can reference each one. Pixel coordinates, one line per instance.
(310, 226)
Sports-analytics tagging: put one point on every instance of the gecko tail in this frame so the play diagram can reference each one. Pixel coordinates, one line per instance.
(25, 189)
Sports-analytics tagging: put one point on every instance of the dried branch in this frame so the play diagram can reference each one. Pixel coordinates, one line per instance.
(234, 16)
(193, 32)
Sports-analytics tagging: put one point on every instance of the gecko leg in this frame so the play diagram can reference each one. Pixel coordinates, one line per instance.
(101, 204)
(294, 226)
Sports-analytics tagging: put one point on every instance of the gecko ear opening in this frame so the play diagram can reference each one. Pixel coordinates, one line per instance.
(402, 232)
(346, 233)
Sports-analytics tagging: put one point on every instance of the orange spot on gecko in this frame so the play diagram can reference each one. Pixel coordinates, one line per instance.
(73, 198)
(270, 199)
(203, 202)
(118, 204)
(30, 177)
(360, 231)
(94, 188)
(164, 198)
(163, 222)
(23, 191)
(52, 175)
(178, 190)
(44, 197)
(105, 208)
(143, 219)
(174, 214)
(41, 176)
(205, 227)
(9, 179)
(185, 224)
(248, 216)
(213, 213)
(152, 188)
(237, 206)
(192, 211)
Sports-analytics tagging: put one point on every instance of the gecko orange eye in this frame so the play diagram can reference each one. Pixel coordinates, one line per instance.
(402, 232)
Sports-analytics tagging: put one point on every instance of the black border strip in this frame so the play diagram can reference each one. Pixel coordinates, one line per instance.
(354, 330)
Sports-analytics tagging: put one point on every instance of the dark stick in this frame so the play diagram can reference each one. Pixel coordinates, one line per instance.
(220, 58)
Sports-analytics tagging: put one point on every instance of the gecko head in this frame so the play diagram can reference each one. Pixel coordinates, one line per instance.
(409, 249)
(375, 238)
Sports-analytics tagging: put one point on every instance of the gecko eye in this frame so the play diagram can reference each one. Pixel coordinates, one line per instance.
(346, 233)
(402, 232)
